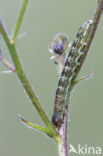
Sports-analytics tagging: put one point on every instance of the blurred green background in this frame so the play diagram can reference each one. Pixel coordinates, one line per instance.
(43, 19)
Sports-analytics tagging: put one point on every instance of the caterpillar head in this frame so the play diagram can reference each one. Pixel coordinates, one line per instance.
(56, 121)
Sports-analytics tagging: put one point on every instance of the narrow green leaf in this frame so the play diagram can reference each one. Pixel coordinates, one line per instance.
(33, 126)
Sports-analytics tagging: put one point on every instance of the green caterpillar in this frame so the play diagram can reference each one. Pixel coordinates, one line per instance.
(71, 63)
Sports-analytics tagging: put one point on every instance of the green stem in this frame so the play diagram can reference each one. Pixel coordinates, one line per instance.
(34, 126)
(19, 20)
(62, 146)
(96, 19)
(24, 80)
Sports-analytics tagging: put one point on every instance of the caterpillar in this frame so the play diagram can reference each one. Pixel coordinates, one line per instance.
(71, 64)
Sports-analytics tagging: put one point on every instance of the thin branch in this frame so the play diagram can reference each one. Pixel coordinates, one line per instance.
(24, 80)
(34, 126)
(19, 20)
(63, 129)
(6, 62)
(63, 133)
(96, 18)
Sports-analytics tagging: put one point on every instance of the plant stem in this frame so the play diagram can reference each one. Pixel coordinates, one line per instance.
(19, 70)
(95, 18)
(63, 133)
(63, 129)
(37, 127)
(24, 80)
(19, 20)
